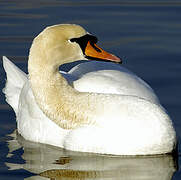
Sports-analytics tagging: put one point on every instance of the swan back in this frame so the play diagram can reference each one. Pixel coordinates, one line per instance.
(110, 78)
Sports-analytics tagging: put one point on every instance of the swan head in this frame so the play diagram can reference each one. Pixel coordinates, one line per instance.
(66, 43)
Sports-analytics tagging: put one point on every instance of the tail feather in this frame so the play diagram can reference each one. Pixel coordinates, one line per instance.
(14, 83)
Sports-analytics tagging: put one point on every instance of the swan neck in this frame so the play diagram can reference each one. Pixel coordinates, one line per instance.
(56, 98)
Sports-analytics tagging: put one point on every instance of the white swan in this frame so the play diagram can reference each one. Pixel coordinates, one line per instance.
(119, 114)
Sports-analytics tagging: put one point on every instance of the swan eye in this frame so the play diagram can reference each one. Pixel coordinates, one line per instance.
(85, 38)
(72, 40)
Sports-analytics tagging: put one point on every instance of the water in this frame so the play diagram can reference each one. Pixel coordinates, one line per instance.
(146, 34)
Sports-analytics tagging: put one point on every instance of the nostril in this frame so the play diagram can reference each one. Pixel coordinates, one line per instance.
(96, 48)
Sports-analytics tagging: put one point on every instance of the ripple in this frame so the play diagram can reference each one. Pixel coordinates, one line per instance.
(33, 4)
(15, 38)
(23, 15)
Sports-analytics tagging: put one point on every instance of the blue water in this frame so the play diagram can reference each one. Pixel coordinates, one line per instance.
(146, 34)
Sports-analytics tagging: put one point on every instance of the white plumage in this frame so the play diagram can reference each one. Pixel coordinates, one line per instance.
(119, 115)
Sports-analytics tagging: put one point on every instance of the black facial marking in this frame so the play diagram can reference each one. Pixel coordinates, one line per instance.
(82, 41)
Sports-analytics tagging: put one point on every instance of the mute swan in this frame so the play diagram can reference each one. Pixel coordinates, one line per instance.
(119, 114)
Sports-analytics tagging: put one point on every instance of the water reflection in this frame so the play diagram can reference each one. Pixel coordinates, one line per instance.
(54, 163)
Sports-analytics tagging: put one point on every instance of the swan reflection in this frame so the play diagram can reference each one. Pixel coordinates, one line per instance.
(53, 163)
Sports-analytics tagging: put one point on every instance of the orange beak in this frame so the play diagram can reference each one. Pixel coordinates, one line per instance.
(93, 51)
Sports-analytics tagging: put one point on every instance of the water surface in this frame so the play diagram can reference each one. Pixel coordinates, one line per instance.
(146, 34)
